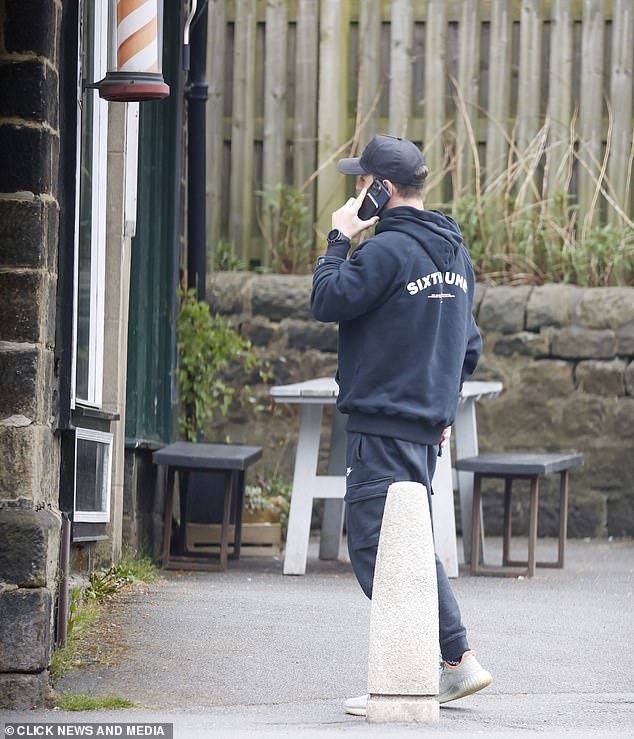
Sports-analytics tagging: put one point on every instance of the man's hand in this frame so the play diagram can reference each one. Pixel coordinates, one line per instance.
(446, 435)
(346, 219)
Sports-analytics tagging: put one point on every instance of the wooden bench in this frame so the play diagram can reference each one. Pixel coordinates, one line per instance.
(231, 461)
(512, 466)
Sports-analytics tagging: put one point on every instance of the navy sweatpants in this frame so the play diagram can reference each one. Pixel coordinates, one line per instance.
(373, 464)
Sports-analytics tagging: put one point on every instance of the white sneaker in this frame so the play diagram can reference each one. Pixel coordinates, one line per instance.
(456, 681)
(356, 706)
(465, 678)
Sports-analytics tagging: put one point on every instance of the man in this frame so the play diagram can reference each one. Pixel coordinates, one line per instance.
(407, 342)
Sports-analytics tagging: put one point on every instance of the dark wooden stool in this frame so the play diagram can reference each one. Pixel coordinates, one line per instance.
(513, 466)
(231, 460)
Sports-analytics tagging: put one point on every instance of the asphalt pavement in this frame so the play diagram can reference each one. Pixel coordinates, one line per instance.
(251, 652)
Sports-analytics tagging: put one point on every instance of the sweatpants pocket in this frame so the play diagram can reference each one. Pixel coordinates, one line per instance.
(365, 505)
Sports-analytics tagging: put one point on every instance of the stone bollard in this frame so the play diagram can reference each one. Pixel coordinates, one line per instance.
(403, 657)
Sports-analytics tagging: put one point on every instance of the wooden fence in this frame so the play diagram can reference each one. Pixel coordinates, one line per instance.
(539, 88)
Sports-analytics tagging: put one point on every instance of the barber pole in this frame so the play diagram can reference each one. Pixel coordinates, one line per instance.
(134, 63)
(137, 31)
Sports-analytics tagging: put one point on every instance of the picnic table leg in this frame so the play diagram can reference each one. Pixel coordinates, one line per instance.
(334, 508)
(298, 531)
(467, 446)
(443, 516)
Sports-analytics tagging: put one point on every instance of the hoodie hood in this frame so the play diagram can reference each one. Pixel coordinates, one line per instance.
(439, 236)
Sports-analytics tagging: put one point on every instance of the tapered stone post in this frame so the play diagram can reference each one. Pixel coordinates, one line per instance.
(403, 656)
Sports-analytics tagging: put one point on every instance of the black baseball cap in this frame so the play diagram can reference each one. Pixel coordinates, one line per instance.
(390, 158)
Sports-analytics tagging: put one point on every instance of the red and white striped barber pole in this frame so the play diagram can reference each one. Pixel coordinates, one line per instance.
(134, 63)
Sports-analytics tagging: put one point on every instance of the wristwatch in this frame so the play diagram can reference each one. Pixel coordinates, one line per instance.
(336, 235)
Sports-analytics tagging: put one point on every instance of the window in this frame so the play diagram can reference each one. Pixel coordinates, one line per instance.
(90, 225)
(93, 460)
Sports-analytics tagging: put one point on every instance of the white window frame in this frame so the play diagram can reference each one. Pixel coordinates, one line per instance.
(99, 437)
(98, 208)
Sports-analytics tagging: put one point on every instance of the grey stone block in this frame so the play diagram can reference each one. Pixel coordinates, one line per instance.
(30, 91)
(609, 467)
(28, 230)
(503, 309)
(29, 547)
(31, 25)
(547, 378)
(260, 332)
(623, 417)
(629, 378)
(29, 158)
(605, 307)
(625, 340)
(20, 692)
(227, 292)
(526, 343)
(19, 371)
(480, 292)
(620, 516)
(601, 378)
(578, 343)
(281, 296)
(25, 629)
(587, 514)
(24, 297)
(304, 335)
(30, 464)
(588, 416)
(550, 305)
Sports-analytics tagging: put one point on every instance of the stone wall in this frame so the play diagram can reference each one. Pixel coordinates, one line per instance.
(29, 450)
(565, 355)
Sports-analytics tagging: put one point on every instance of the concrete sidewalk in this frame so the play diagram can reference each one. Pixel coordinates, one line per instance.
(251, 652)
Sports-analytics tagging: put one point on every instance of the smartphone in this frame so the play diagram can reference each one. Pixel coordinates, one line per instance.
(374, 201)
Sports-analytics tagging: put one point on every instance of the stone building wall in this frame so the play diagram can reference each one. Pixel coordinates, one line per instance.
(29, 450)
(565, 355)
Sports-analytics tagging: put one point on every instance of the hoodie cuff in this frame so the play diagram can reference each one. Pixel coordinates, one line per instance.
(338, 249)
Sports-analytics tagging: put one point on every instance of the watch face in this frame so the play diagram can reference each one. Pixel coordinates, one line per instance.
(334, 235)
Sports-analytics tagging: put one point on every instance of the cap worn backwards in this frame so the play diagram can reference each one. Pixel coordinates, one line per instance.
(390, 158)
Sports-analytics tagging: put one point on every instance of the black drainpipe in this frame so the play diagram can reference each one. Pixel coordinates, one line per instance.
(196, 96)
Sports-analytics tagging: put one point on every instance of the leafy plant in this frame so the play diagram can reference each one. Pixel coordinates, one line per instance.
(224, 258)
(208, 346)
(273, 494)
(285, 226)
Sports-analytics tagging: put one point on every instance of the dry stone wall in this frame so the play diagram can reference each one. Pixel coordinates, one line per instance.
(565, 355)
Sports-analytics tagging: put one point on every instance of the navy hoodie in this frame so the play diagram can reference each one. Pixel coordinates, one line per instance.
(407, 337)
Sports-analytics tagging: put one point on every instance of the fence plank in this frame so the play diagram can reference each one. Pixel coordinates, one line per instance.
(370, 81)
(467, 97)
(306, 70)
(435, 96)
(274, 135)
(216, 34)
(401, 27)
(499, 89)
(559, 159)
(621, 84)
(241, 190)
(332, 116)
(589, 150)
(529, 97)
(274, 144)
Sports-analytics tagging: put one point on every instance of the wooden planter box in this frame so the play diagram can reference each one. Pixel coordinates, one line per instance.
(258, 539)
